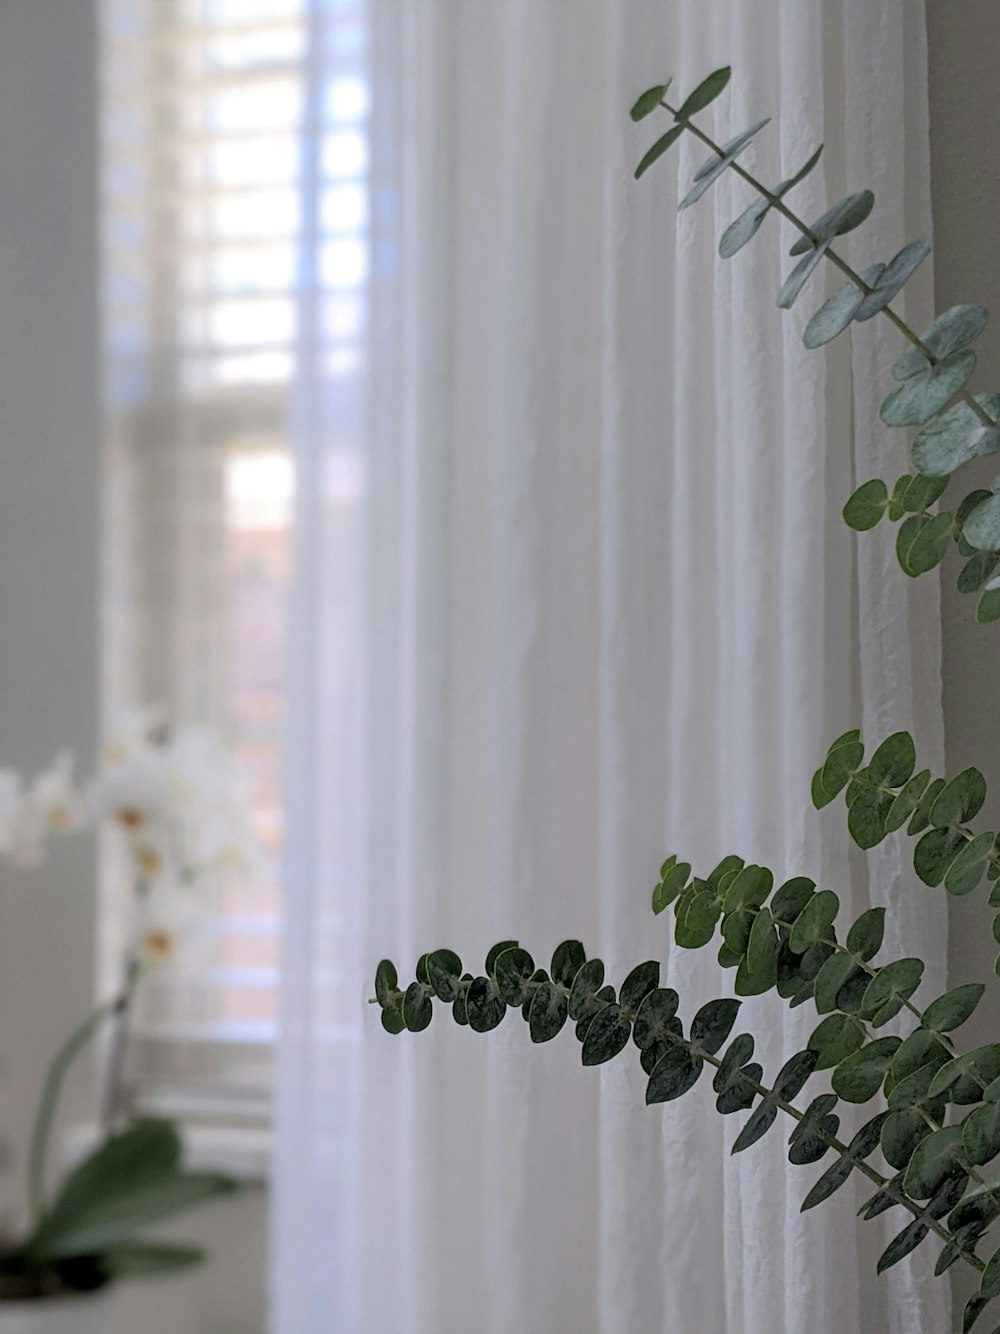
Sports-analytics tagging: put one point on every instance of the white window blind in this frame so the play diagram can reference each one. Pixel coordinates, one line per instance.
(233, 190)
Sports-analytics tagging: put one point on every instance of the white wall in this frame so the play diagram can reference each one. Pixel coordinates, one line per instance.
(50, 452)
(964, 47)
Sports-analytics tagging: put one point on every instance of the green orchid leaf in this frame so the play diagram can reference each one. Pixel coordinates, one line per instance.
(953, 329)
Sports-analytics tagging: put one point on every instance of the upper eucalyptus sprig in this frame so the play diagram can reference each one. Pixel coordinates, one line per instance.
(936, 1120)
(931, 373)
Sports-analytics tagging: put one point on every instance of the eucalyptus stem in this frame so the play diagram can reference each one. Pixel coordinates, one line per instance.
(777, 203)
(49, 1101)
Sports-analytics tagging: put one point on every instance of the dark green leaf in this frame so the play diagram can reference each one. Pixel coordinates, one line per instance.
(568, 959)
(981, 1134)
(900, 1247)
(655, 1017)
(791, 898)
(906, 801)
(953, 329)
(444, 968)
(758, 1125)
(495, 952)
(707, 91)
(139, 1259)
(835, 973)
(935, 853)
(760, 971)
(809, 1140)
(960, 801)
(658, 149)
(744, 228)
(977, 571)
(793, 1075)
(814, 920)
(417, 1008)
(841, 218)
(934, 1160)
(923, 491)
(866, 507)
(922, 541)
(724, 869)
(547, 1014)
(514, 969)
(889, 989)
(386, 982)
(842, 760)
(643, 979)
(713, 1023)
(696, 920)
(973, 1309)
(836, 1038)
(859, 1076)
(988, 606)
(897, 273)
(923, 395)
(867, 815)
(607, 1036)
(902, 1131)
(982, 528)
(484, 1006)
(586, 984)
(748, 888)
(674, 879)
(737, 1093)
(952, 1009)
(864, 939)
(981, 1064)
(832, 1179)
(673, 1076)
(648, 101)
(969, 867)
(392, 1018)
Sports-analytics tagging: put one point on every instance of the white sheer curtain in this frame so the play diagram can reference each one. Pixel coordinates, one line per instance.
(575, 593)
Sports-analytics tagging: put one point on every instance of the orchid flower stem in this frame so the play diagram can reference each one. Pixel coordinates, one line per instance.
(113, 1100)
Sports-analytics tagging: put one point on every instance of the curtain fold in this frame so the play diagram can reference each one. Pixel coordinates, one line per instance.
(575, 593)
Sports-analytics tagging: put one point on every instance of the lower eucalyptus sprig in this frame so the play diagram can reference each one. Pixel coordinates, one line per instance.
(574, 990)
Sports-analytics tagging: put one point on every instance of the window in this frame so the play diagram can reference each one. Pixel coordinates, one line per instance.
(233, 190)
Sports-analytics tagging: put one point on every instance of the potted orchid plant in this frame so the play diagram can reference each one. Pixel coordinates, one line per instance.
(172, 807)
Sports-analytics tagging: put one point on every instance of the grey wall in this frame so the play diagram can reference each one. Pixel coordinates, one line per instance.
(964, 49)
(50, 475)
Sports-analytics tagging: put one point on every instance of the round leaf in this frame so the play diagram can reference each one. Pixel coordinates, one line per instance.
(495, 952)
(889, 989)
(969, 867)
(835, 974)
(923, 395)
(713, 1023)
(673, 1076)
(960, 801)
(906, 801)
(814, 921)
(935, 853)
(934, 1160)
(897, 273)
(922, 541)
(607, 1035)
(417, 1008)
(791, 898)
(836, 1038)
(956, 437)
(864, 939)
(568, 959)
(952, 1009)
(837, 312)
(953, 329)
(902, 1131)
(982, 527)
(444, 968)
(586, 985)
(547, 1014)
(386, 982)
(894, 761)
(696, 919)
(392, 1017)
(841, 218)
(484, 1006)
(859, 1076)
(654, 1021)
(981, 1134)
(867, 505)
(643, 979)
(514, 969)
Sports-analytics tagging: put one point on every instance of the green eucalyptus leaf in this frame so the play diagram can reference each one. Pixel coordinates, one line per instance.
(568, 959)
(736, 928)
(935, 1159)
(902, 1131)
(591, 1007)
(810, 1137)
(952, 1009)
(673, 1076)
(791, 898)
(982, 1064)
(864, 939)
(548, 1012)
(898, 272)
(981, 1134)
(835, 1038)
(924, 394)
(738, 1053)
(988, 606)
(673, 880)
(756, 1127)
(867, 505)
(835, 973)
(837, 312)
(922, 815)
(800, 275)
(696, 920)
(972, 1310)
(956, 437)
(859, 1076)
(584, 997)
(914, 1090)
(969, 867)
(906, 801)
(953, 329)
(935, 853)
(831, 1180)
(982, 527)
(738, 1092)
(644, 978)
(749, 888)
(713, 1023)
(658, 149)
(386, 983)
(960, 801)
(743, 228)
(868, 815)
(607, 1035)
(902, 1245)
(793, 1074)
(894, 761)
(421, 970)
(842, 760)
(889, 989)
(392, 1017)
(655, 1018)
(706, 92)
(724, 869)
(839, 219)
(814, 920)
(761, 964)
(513, 970)
(417, 1008)
(922, 542)
(484, 1006)
(977, 571)
(499, 948)
(647, 102)
(444, 968)
(922, 491)
(712, 166)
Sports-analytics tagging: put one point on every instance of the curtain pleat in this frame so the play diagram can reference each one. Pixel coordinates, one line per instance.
(605, 609)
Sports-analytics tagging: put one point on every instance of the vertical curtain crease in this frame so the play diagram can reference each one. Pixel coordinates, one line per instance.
(594, 604)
